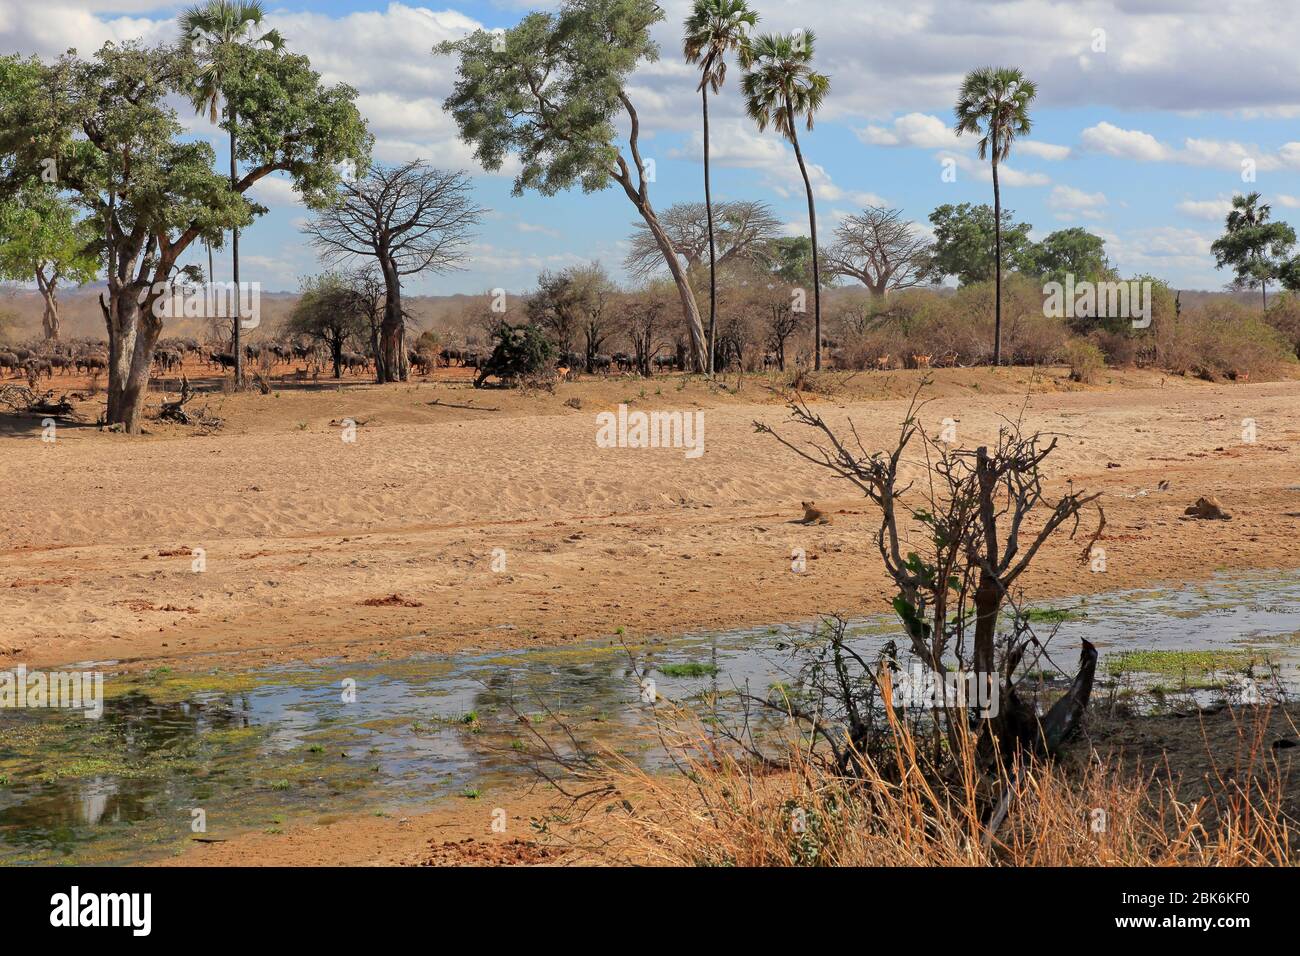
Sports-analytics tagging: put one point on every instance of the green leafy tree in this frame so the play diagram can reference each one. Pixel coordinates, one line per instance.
(41, 239)
(780, 87)
(1074, 251)
(1256, 249)
(106, 125)
(790, 260)
(334, 309)
(994, 105)
(548, 91)
(211, 33)
(520, 350)
(714, 29)
(966, 242)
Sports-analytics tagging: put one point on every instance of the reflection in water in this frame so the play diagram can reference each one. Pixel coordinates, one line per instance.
(288, 744)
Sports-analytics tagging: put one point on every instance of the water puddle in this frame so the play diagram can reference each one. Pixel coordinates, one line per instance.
(265, 749)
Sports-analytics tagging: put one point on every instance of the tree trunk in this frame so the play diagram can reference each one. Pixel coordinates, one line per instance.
(708, 209)
(812, 228)
(49, 294)
(234, 262)
(997, 261)
(391, 362)
(694, 325)
(133, 333)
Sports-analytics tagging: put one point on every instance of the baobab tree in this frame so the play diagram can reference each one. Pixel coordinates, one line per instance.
(741, 231)
(994, 105)
(410, 219)
(880, 249)
(714, 29)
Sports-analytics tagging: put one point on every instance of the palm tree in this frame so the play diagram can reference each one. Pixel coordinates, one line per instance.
(994, 104)
(714, 28)
(780, 86)
(210, 31)
(1253, 246)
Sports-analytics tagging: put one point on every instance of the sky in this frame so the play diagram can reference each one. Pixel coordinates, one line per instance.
(1150, 116)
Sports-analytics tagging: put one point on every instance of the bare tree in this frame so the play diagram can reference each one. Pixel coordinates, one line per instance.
(741, 232)
(971, 507)
(411, 219)
(782, 322)
(575, 302)
(881, 250)
(555, 307)
(645, 326)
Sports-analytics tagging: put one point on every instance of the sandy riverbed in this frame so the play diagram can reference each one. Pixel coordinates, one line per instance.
(300, 529)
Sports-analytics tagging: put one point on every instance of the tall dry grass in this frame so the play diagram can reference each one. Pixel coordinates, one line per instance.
(725, 809)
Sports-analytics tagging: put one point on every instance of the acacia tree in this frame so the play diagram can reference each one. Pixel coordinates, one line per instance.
(1255, 248)
(107, 127)
(994, 105)
(780, 87)
(334, 310)
(880, 249)
(210, 33)
(741, 231)
(549, 90)
(41, 239)
(714, 29)
(410, 219)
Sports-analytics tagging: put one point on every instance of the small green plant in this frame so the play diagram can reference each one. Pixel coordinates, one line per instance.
(689, 669)
(470, 793)
(1086, 361)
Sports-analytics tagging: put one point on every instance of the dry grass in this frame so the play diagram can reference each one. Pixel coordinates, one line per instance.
(723, 809)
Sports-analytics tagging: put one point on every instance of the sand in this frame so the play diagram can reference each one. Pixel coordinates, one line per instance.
(299, 529)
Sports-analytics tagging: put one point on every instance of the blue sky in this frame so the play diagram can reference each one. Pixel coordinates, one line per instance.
(1141, 142)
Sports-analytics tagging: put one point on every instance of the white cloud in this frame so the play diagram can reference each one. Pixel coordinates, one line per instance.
(1123, 143)
(913, 129)
(1212, 210)
(1070, 201)
(275, 192)
(1137, 145)
(1033, 147)
(1007, 175)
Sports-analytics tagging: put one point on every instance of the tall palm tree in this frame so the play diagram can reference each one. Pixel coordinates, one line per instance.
(994, 105)
(780, 87)
(714, 29)
(1255, 247)
(210, 31)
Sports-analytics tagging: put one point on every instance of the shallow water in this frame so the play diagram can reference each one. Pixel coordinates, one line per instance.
(265, 749)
